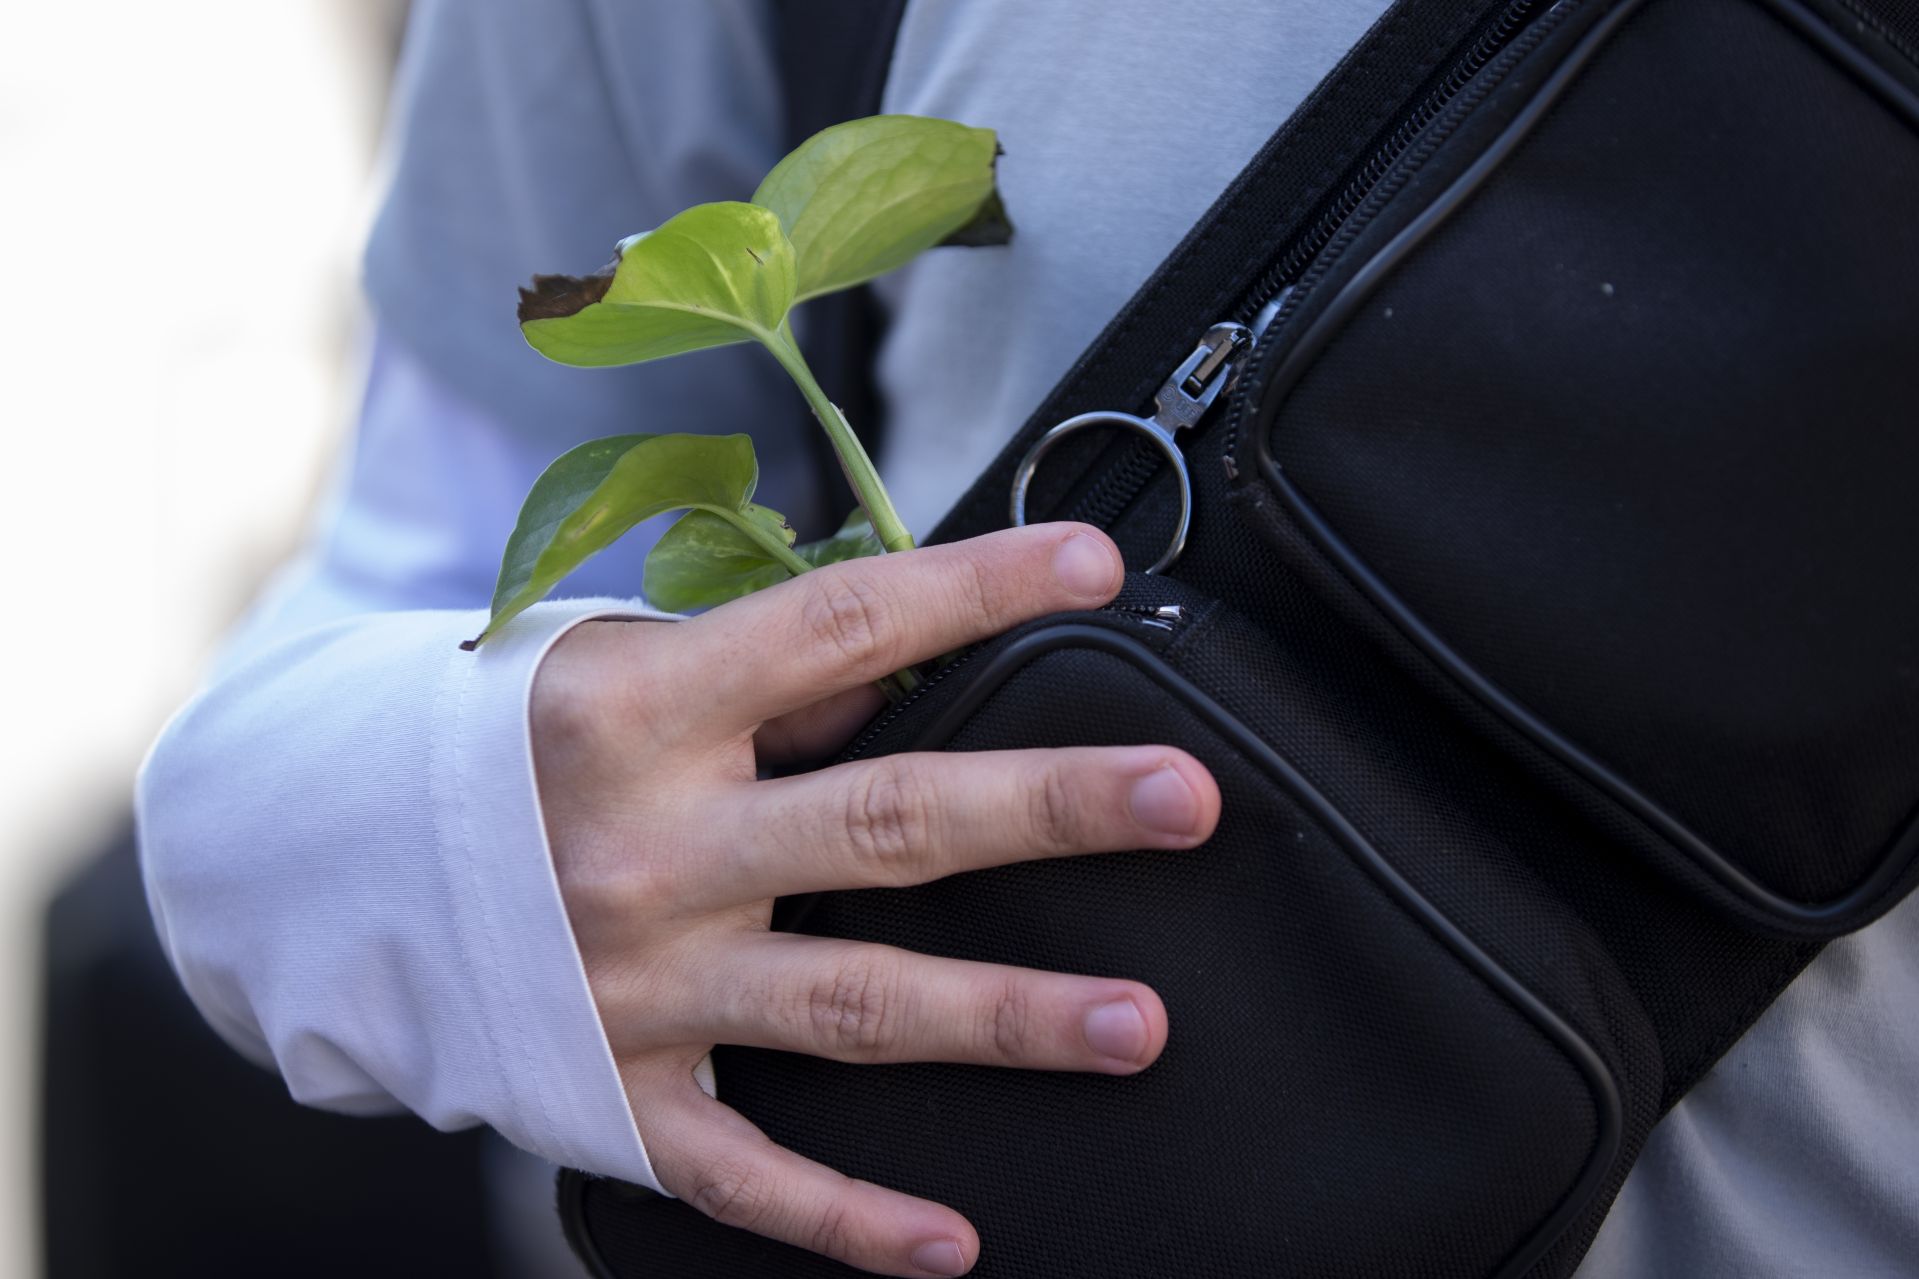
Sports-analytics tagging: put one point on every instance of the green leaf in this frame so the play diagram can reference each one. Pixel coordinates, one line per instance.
(713, 275)
(593, 494)
(705, 560)
(861, 198)
(853, 202)
(855, 540)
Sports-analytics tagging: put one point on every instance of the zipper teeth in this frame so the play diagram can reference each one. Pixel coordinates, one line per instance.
(1110, 495)
(1377, 194)
(898, 708)
(1161, 617)
(1301, 255)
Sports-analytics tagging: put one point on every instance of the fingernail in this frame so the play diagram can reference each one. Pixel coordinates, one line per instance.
(1116, 1030)
(941, 1257)
(1163, 802)
(1086, 566)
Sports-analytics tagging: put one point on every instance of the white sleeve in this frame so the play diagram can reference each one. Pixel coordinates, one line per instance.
(341, 835)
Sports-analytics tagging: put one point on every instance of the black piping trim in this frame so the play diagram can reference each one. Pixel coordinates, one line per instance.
(570, 1192)
(1849, 56)
(1599, 1078)
(1859, 13)
(1608, 1111)
(1814, 915)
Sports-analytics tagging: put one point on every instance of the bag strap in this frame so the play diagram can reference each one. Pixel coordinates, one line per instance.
(833, 60)
(1730, 974)
(1286, 187)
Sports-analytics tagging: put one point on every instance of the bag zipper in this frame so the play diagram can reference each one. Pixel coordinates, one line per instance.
(1275, 295)
(1165, 617)
(1160, 617)
(893, 712)
(1292, 265)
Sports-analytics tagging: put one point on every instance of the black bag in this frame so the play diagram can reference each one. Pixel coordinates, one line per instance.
(1547, 616)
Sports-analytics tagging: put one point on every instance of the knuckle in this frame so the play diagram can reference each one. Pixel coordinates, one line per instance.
(850, 1011)
(888, 820)
(980, 586)
(847, 616)
(600, 875)
(566, 720)
(600, 895)
(1010, 1022)
(609, 882)
(597, 674)
(731, 1192)
(833, 1235)
(1053, 813)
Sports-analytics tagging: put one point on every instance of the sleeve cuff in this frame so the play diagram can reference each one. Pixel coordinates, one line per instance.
(566, 1091)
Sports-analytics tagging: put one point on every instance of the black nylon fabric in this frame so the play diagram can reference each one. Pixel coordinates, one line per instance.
(1698, 977)
(1895, 20)
(1332, 1055)
(1348, 1089)
(1284, 189)
(1646, 452)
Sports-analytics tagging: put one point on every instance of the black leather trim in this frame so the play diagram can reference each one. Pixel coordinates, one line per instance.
(1607, 1108)
(1817, 916)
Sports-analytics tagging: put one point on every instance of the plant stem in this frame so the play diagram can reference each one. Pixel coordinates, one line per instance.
(896, 685)
(899, 684)
(859, 468)
(763, 538)
(859, 471)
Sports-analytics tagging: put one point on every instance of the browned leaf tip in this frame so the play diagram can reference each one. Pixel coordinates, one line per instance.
(988, 226)
(554, 297)
(467, 646)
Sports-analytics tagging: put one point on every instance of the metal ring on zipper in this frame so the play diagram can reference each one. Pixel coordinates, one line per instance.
(1161, 438)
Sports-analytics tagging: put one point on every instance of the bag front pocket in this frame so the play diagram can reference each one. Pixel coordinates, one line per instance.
(1612, 421)
(1354, 1084)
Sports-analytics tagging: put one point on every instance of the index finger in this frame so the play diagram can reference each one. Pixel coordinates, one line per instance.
(852, 623)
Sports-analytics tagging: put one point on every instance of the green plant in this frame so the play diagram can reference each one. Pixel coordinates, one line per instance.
(851, 203)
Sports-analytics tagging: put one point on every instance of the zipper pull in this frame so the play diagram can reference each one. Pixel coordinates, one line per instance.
(1183, 399)
(1186, 395)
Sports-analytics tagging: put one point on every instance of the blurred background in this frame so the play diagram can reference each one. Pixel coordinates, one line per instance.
(183, 192)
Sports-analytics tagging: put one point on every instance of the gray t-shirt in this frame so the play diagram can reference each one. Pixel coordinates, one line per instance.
(539, 131)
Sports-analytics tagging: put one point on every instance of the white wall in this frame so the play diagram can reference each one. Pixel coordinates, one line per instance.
(182, 192)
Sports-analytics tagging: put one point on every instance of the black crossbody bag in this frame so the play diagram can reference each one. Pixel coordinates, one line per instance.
(1548, 389)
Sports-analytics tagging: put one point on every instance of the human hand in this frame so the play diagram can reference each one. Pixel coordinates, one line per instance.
(669, 851)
